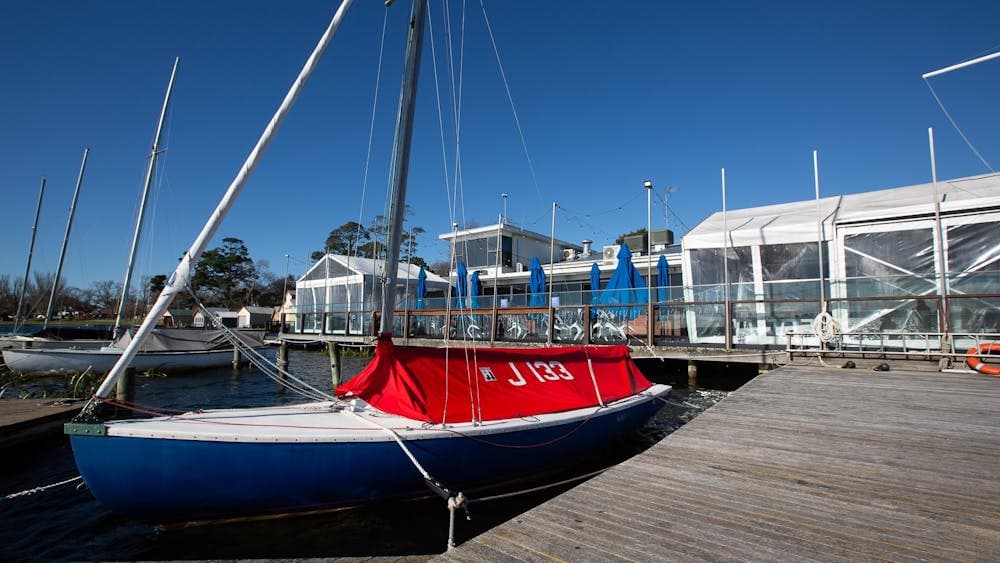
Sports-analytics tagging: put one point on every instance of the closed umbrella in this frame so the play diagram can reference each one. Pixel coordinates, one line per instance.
(421, 291)
(461, 285)
(663, 276)
(595, 284)
(536, 284)
(475, 288)
(623, 287)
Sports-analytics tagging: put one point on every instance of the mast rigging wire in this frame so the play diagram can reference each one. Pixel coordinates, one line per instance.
(510, 98)
(955, 125)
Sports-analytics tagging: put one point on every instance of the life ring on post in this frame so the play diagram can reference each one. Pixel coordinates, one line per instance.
(975, 360)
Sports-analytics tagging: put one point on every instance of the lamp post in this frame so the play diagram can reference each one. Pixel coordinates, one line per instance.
(648, 184)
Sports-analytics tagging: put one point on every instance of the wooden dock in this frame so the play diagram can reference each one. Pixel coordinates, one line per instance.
(24, 421)
(800, 463)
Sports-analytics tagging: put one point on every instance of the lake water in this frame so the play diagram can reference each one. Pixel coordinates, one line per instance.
(67, 523)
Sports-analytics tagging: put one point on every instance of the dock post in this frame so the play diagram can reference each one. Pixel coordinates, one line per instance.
(692, 374)
(333, 349)
(125, 391)
(283, 358)
(236, 357)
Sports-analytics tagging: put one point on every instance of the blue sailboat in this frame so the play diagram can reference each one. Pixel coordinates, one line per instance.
(407, 426)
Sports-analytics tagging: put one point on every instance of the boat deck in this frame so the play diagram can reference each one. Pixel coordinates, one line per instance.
(802, 462)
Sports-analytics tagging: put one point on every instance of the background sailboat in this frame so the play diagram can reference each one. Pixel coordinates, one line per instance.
(167, 351)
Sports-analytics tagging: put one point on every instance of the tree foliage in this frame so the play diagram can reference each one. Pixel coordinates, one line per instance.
(226, 275)
(621, 238)
(353, 239)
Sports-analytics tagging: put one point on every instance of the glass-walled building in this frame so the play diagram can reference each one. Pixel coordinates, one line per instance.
(340, 288)
(887, 258)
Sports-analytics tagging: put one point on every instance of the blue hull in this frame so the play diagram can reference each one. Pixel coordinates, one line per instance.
(165, 481)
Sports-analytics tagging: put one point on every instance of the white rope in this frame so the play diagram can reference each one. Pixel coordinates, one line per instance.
(399, 441)
(826, 327)
(42, 488)
(593, 377)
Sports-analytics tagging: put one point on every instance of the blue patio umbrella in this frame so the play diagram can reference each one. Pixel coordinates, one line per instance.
(421, 290)
(663, 277)
(461, 285)
(536, 284)
(595, 284)
(624, 287)
(475, 288)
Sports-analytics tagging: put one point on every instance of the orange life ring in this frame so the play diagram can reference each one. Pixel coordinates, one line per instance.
(975, 361)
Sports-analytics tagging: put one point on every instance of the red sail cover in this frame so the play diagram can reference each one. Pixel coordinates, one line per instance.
(501, 382)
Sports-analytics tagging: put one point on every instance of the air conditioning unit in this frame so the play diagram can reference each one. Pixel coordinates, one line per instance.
(610, 254)
(569, 254)
(519, 267)
(664, 237)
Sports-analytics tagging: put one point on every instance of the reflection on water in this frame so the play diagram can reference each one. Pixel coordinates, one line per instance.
(69, 524)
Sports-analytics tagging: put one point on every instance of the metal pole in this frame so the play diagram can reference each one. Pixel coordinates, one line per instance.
(939, 238)
(819, 235)
(284, 295)
(401, 161)
(31, 250)
(137, 235)
(725, 265)
(451, 286)
(961, 65)
(69, 227)
(648, 184)
(552, 266)
(496, 271)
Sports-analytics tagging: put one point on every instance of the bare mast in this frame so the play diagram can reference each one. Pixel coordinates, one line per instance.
(401, 163)
(137, 236)
(31, 250)
(69, 227)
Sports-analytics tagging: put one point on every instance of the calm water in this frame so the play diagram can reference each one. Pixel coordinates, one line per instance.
(69, 524)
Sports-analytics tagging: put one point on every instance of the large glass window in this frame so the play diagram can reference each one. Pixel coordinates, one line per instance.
(890, 263)
(974, 258)
(798, 261)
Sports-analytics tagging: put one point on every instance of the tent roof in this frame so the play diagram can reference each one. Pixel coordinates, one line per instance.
(369, 267)
(796, 222)
(258, 310)
(221, 312)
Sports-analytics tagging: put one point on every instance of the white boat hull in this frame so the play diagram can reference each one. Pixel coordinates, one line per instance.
(65, 361)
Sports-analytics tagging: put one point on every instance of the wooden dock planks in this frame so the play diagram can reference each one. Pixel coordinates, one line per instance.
(25, 421)
(807, 463)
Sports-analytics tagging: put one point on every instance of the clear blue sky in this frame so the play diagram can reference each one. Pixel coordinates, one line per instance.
(608, 95)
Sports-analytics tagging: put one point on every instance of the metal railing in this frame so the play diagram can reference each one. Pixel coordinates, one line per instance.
(910, 325)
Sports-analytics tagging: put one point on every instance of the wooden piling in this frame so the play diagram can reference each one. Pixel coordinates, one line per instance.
(333, 350)
(283, 357)
(692, 374)
(236, 357)
(125, 391)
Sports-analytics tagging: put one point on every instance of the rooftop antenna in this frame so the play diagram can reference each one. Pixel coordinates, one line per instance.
(503, 218)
